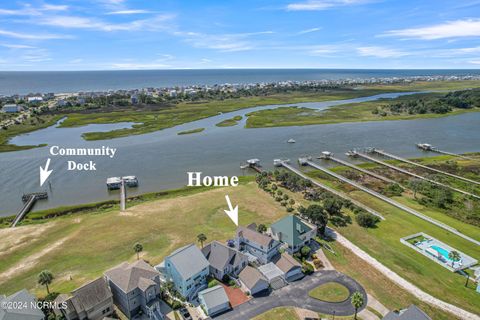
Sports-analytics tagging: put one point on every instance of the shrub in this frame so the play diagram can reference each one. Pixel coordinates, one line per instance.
(285, 197)
(289, 209)
(307, 268)
(318, 263)
(226, 278)
(367, 220)
(212, 283)
(283, 203)
(305, 251)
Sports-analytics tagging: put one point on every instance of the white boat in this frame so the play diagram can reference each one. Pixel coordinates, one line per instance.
(114, 183)
(130, 181)
(291, 141)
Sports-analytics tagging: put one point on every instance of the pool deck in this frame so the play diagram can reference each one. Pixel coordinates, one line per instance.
(425, 246)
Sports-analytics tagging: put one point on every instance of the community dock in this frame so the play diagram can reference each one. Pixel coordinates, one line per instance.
(253, 164)
(29, 200)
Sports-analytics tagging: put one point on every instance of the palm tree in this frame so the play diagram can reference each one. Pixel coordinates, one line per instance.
(357, 301)
(137, 247)
(454, 256)
(45, 278)
(202, 238)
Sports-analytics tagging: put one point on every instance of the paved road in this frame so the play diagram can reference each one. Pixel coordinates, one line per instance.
(296, 295)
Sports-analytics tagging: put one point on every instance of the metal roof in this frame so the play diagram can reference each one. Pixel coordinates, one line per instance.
(188, 261)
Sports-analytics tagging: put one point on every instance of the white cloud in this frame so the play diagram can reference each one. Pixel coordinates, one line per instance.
(222, 42)
(380, 52)
(16, 46)
(309, 30)
(449, 29)
(76, 22)
(317, 5)
(136, 65)
(32, 36)
(474, 61)
(28, 10)
(128, 12)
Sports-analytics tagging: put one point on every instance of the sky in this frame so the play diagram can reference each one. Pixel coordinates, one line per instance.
(192, 34)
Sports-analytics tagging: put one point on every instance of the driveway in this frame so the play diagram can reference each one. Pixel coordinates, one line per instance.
(296, 295)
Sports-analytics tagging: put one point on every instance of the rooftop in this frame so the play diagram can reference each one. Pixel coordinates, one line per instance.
(251, 276)
(27, 313)
(183, 257)
(291, 228)
(214, 296)
(254, 236)
(411, 313)
(90, 295)
(219, 255)
(287, 262)
(131, 276)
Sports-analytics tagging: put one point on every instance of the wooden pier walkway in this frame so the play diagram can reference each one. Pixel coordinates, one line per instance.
(389, 155)
(29, 200)
(394, 203)
(333, 191)
(367, 157)
(367, 172)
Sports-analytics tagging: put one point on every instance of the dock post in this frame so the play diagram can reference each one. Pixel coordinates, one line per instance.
(123, 196)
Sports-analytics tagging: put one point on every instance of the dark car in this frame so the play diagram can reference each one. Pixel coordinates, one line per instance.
(185, 314)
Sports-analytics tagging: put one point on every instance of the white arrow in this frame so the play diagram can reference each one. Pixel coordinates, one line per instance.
(232, 212)
(45, 173)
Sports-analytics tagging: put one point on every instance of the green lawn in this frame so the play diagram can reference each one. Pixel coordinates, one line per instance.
(282, 313)
(330, 292)
(79, 247)
(191, 131)
(229, 122)
(353, 112)
(383, 243)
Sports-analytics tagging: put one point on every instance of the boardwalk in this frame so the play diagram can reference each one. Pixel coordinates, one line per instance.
(391, 166)
(333, 191)
(394, 203)
(389, 155)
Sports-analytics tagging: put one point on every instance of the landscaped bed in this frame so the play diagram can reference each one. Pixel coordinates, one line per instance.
(330, 292)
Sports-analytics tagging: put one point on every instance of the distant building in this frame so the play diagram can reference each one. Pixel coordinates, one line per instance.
(256, 244)
(214, 300)
(134, 99)
(34, 99)
(188, 269)
(224, 260)
(411, 313)
(11, 108)
(293, 232)
(61, 103)
(93, 301)
(9, 307)
(136, 289)
(172, 93)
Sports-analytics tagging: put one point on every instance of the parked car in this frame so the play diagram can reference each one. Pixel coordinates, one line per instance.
(185, 314)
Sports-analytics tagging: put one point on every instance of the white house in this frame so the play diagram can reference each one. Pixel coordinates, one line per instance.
(11, 108)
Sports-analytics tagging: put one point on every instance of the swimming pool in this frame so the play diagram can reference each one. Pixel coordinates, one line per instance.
(442, 251)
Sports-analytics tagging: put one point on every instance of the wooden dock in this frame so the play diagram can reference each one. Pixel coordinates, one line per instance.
(394, 203)
(428, 147)
(398, 169)
(389, 155)
(29, 200)
(332, 191)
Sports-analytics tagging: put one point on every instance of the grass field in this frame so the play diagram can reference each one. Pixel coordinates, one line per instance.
(229, 122)
(15, 130)
(383, 243)
(279, 313)
(330, 292)
(191, 131)
(81, 247)
(353, 112)
(378, 285)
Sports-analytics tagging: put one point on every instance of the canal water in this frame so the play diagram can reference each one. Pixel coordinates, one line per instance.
(162, 159)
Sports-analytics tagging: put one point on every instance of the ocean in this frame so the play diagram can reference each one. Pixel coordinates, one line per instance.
(13, 82)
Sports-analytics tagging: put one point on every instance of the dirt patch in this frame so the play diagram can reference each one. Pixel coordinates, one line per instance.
(235, 295)
(13, 238)
(30, 261)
